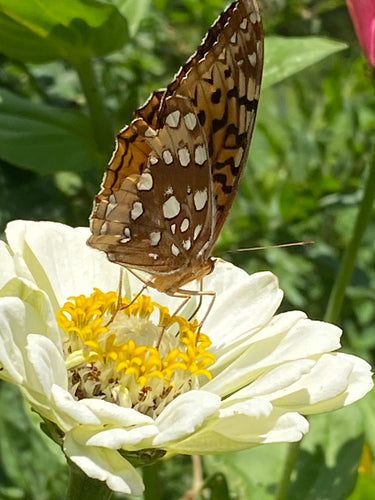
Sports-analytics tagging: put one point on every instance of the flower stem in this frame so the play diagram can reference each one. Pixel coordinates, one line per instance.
(291, 458)
(346, 269)
(151, 480)
(336, 300)
(82, 487)
(101, 123)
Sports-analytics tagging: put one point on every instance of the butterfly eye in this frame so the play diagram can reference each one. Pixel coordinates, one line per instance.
(175, 172)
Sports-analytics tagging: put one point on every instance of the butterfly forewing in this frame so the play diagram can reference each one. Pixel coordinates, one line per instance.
(174, 174)
(223, 79)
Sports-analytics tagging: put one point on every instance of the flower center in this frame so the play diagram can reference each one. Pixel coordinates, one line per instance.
(138, 356)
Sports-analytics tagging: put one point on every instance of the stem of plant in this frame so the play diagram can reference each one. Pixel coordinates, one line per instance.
(82, 487)
(151, 480)
(336, 300)
(346, 269)
(101, 123)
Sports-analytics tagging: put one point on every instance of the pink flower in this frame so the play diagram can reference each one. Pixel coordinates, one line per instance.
(363, 15)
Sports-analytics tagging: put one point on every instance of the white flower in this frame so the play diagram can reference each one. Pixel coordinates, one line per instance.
(118, 384)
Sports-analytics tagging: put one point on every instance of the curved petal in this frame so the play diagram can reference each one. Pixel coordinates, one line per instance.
(7, 269)
(103, 464)
(47, 361)
(70, 412)
(185, 414)
(242, 426)
(112, 414)
(59, 259)
(243, 303)
(288, 337)
(334, 381)
(12, 322)
(136, 438)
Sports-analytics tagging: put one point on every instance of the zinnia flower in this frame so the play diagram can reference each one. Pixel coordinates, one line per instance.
(362, 13)
(125, 386)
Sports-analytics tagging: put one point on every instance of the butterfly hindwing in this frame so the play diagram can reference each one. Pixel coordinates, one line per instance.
(161, 215)
(173, 177)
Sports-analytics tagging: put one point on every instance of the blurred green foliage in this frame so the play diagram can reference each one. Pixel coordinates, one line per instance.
(313, 142)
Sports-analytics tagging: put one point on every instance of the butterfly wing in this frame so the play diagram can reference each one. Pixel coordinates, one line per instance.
(175, 171)
(223, 81)
(157, 215)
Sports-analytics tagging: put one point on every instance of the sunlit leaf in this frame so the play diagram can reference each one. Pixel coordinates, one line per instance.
(44, 139)
(286, 56)
(133, 11)
(43, 30)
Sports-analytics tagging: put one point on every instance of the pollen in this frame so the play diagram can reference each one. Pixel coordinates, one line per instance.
(135, 353)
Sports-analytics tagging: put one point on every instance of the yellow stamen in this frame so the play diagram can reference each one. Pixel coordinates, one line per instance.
(97, 347)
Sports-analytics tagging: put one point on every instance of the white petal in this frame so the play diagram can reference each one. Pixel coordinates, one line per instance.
(7, 268)
(59, 259)
(47, 361)
(184, 415)
(334, 381)
(242, 426)
(287, 337)
(104, 465)
(110, 413)
(243, 303)
(121, 438)
(70, 411)
(257, 421)
(12, 337)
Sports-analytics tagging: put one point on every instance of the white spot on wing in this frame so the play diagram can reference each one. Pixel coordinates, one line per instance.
(253, 17)
(197, 231)
(155, 238)
(145, 182)
(103, 229)
(184, 225)
(184, 156)
(150, 132)
(200, 199)
(190, 121)
(153, 256)
(200, 155)
(112, 203)
(173, 228)
(127, 235)
(186, 244)
(153, 159)
(175, 250)
(233, 38)
(243, 25)
(173, 119)
(171, 208)
(238, 157)
(167, 157)
(223, 55)
(252, 58)
(137, 210)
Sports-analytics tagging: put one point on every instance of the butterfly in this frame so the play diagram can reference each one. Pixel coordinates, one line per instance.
(175, 171)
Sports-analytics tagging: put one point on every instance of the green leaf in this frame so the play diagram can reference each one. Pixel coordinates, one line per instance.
(364, 489)
(328, 462)
(133, 11)
(286, 56)
(218, 486)
(32, 466)
(43, 30)
(251, 474)
(44, 139)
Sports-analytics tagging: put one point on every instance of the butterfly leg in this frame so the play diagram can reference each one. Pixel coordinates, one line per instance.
(120, 306)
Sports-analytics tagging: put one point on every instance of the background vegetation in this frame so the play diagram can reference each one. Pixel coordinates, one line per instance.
(313, 144)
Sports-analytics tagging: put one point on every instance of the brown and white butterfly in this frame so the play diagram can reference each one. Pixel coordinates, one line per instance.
(175, 171)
